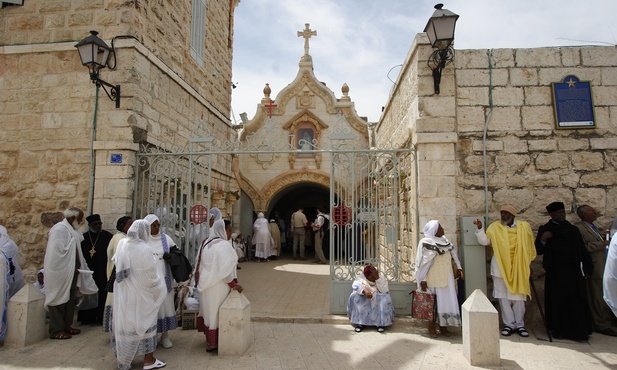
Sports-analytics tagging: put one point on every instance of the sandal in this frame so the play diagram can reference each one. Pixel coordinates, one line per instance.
(507, 331)
(74, 331)
(522, 332)
(61, 335)
(156, 365)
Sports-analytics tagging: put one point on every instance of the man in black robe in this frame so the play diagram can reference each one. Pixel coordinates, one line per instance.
(94, 248)
(568, 264)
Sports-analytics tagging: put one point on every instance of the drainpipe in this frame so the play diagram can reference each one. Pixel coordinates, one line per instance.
(92, 152)
(488, 119)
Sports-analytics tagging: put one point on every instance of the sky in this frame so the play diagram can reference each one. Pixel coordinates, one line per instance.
(364, 42)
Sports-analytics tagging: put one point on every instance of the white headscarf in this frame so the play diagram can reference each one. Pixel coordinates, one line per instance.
(216, 214)
(430, 229)
(151, 218)
(218, 260)
(40, 287)
(138, 292)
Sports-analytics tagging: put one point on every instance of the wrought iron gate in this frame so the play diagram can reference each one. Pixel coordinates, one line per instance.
(372, 216)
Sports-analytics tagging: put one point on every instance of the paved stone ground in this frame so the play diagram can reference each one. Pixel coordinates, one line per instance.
(292, 329)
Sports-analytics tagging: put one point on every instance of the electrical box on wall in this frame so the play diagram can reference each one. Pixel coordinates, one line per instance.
(473, 256)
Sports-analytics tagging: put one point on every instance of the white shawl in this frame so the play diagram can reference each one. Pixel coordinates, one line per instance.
(10, 250)
(218, 259)
(138, 292)
(63, 244)
(610, 276)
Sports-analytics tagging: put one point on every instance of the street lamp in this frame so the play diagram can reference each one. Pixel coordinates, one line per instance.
(440, 31)
(94, 53)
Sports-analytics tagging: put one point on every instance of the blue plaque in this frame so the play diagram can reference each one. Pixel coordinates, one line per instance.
(573, 104)
(115, 158)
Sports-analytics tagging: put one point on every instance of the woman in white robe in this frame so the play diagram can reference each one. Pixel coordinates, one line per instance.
(262, 240)
(610, 275)
(123, 224)
(215, 274)
(138, 292)
(4, 293)
(434, 272)
(160, 244)
(10, 249)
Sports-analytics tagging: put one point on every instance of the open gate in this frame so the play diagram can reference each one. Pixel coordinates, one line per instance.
(372, 216)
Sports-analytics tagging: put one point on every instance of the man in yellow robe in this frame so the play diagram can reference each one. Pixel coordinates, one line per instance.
(513, 250)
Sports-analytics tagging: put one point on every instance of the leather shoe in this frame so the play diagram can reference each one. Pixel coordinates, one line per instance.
(608, 331)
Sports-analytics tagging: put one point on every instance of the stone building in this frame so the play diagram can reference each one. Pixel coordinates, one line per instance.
(530, 162)
(64, 145)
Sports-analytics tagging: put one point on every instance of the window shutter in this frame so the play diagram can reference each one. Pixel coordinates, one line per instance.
(198, 31)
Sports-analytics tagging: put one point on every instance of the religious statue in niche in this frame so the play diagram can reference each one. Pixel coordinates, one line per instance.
(305, 138)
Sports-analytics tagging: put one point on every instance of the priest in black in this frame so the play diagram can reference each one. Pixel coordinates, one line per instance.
(94, 248)
(568, 264)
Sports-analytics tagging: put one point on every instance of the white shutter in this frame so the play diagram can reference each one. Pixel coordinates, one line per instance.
(198, 31)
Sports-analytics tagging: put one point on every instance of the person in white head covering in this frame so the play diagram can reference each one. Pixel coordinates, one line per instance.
(215, 215)
(10, 249)
(160, 244)
(215, 277)
(138, 292)
(40, 281)
(262, 240)
(434, 273)
(5, 276)
(610, 276)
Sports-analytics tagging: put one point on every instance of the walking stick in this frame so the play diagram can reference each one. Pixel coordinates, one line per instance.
(534, 293)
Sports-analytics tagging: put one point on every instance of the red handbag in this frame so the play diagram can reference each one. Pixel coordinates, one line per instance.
(423, 305)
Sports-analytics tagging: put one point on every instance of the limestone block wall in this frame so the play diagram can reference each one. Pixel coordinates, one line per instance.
(530, 162)
(163, 27)
(47, 107)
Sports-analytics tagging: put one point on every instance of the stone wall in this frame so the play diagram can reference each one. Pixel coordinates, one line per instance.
(48, 109)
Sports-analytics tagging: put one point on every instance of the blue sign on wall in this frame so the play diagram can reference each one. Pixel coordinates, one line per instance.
(115, 158)
(573, 104)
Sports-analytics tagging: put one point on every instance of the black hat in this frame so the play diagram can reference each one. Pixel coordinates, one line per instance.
(122, 222)
(93, 218)
(555, 206)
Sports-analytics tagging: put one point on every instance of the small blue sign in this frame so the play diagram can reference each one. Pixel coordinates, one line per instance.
(115, 158)
(573, 104)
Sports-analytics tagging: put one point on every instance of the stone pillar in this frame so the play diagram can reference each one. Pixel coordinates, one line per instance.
(480, 331)
(235, 332)
(25, 318)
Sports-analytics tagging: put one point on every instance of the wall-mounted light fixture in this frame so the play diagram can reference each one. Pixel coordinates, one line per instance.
(440, 31)
(94, 54)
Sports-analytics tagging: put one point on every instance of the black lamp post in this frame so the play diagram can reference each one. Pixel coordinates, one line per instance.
(94, 53)
(440, 31)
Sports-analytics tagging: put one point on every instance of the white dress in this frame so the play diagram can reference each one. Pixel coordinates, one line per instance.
(166, 318)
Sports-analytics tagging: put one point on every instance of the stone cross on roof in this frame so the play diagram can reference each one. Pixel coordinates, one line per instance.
(306, 33)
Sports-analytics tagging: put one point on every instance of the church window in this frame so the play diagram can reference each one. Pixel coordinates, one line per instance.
(305, 138)
(198, 32)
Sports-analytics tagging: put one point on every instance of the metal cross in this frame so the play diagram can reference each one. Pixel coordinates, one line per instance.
(270, 106)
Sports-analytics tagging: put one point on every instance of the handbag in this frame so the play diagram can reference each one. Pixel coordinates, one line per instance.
(109, 286)
(423, 305)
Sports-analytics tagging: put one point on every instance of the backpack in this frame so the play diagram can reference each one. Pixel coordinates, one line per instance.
(325, 228)
(181, 268)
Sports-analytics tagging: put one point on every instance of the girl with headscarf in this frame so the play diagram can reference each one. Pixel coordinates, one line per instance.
(40, 281)
(11, 251)
(122, 225)
(370, 303)
(138, 292)
(160, 244)
(262, 240)
(434, 273)
(215, 277)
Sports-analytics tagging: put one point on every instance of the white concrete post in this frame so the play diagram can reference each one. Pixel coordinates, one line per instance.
(25, 318)
(235, 332)
(480, 331)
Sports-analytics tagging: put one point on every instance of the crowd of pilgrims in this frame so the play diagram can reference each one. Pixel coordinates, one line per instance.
(138, 294)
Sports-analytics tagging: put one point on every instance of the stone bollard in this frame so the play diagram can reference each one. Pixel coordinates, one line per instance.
(235, 332)
(25, 318)
(480, 331)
